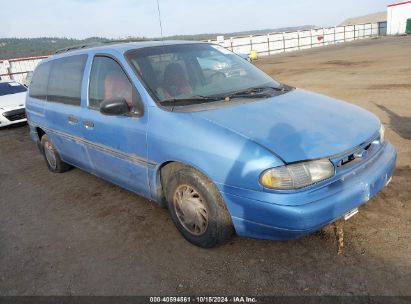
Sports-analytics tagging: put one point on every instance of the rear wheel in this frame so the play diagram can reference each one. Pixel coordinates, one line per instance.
(197, 209)
(53, 160)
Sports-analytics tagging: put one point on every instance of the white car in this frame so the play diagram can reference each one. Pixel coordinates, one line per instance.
(12, 102)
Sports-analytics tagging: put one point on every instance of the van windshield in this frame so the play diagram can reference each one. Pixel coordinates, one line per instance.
(7, 88)
(185, 74)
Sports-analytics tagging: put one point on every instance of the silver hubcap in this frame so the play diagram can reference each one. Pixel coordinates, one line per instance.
(190, 209)
(50, 155)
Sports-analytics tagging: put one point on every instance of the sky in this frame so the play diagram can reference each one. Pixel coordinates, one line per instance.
(138, 18)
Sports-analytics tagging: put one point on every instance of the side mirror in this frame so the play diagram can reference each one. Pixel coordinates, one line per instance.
(117, 106)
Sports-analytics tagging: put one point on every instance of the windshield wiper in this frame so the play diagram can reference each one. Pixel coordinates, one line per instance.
(198, 99)
(254, 92)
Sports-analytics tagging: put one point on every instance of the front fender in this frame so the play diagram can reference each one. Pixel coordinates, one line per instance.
(224, 156)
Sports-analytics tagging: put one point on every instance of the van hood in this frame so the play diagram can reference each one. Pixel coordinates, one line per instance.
(298, 125)
(12, 101)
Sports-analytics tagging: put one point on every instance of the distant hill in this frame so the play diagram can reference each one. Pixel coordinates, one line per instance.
(371, 18)
(24, 47)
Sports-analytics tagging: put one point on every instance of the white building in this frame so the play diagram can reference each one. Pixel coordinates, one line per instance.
(397, 16)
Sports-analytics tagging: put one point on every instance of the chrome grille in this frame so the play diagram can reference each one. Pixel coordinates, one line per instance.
(15, 114)
(357, 155)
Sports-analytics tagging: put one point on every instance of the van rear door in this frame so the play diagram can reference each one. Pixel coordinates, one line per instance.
(63, 111)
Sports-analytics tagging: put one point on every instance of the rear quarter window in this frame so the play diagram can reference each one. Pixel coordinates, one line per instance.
(65, 80)
(38, 84)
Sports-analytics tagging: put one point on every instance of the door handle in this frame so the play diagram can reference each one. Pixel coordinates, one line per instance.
(88, 124)
(72, 119)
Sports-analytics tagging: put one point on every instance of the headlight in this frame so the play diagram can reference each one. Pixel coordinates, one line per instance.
(297, 175)
(382, 134)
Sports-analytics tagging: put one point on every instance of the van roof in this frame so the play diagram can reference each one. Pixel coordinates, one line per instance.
(121, 47)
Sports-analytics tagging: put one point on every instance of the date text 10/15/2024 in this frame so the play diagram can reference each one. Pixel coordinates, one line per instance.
(199, 299)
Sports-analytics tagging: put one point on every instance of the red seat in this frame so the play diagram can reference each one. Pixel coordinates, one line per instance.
(175, 81)
(117, 85)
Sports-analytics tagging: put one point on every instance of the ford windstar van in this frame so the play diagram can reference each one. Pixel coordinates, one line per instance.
(202, 131)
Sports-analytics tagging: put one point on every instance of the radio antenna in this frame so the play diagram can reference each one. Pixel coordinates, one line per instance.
(159, 20)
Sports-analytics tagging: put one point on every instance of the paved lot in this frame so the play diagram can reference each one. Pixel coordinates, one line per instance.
(73, 233)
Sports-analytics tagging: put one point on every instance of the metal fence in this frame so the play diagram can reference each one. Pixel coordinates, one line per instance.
(274, 43)
(268, 44)
(18, 68)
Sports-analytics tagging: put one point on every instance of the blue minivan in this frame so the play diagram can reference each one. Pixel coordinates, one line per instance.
(204, 132)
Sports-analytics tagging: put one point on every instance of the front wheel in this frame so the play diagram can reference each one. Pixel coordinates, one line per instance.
(197, 209)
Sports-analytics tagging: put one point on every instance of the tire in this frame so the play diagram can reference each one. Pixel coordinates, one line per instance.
(197, 209)
(52, 157)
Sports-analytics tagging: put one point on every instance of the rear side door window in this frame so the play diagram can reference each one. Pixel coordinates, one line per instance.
(65, 80)
(109, 81)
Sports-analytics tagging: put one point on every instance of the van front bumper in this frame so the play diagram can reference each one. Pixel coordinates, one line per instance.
(282, 216)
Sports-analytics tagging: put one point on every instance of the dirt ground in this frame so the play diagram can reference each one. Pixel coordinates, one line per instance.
(75, 234)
